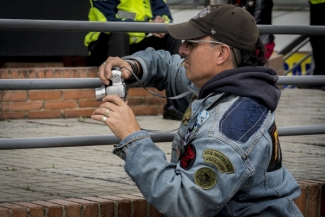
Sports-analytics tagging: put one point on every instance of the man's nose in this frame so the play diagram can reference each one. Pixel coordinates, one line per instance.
(182, 50)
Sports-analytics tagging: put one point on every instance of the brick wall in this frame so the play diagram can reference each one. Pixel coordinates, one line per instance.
(65, 103)
(311, 203)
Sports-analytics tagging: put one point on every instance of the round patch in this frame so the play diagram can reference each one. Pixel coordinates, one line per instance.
(205, 178)
(188, 158)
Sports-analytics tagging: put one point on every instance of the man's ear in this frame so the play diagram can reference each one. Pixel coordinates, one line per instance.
(224, 54)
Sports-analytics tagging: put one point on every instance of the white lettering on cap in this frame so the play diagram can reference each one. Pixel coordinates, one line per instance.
(202, 13)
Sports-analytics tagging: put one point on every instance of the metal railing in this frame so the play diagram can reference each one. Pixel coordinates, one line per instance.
(86, 26)
(70, 83)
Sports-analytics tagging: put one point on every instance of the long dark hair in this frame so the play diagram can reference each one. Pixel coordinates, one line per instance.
(256, 58)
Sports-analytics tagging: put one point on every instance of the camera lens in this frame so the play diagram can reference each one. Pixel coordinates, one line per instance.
(100, 93)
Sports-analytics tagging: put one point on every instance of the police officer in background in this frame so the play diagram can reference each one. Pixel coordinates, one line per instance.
(226, 156)
(101, 45)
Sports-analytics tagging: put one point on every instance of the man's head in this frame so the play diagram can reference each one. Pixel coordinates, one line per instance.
(227, 23)
(215, 40)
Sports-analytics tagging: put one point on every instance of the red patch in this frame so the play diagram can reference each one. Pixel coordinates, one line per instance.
(188, 157)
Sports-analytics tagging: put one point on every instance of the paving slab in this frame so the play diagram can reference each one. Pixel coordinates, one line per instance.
(89, 171)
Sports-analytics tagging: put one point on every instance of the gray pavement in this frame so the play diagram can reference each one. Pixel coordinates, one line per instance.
(57, 173)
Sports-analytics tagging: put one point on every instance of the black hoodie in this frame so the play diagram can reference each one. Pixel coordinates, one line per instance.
(258, 82)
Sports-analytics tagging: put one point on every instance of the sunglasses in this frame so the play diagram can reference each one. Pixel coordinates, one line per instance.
(190, 42)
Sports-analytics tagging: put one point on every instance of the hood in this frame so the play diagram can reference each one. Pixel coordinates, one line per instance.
(257, 82)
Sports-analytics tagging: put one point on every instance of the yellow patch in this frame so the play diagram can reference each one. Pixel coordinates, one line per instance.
(187, 115)
(219, 160)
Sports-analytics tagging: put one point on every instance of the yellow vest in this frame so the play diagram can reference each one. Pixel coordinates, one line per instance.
(316, 1)
(138, 10)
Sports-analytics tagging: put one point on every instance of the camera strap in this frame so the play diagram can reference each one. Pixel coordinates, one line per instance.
(157, 94)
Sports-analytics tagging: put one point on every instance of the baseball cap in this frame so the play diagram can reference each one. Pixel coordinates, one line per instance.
(226, 23)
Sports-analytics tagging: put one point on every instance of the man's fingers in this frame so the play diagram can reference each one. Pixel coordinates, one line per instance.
(102, 73)
(113, 99)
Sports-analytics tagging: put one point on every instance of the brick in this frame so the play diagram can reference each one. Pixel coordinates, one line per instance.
(89, 208)
(40, 73)
(55, 105)
(142, 92)
(322, 201)
(106, 206)
(57, 73)
(48, 74)
(139, 204)
(23, 74)
(312, 198)
(4, 212)
(154, 101)
(33, 209)
(44, 94)
(78, 112)
(71, 209)
(12, 115)
(123, 205)
(44, 114)
(66, 73)
(51, 209)
(79, 72)
(321, 183)
(84, 103)
(4, 74)
(301, 201)
(135, 101)
(21, 106)
(32, 74)
(16, 210)
(14, 74)
(93, 72)
(14, 96)
(79, 94)
(82, 73)
(154, 212)
(147, 110)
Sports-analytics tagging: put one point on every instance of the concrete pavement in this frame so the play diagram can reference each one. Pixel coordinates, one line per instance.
(57, 173)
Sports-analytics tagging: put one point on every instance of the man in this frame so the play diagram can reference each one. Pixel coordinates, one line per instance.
(105, 44)
(226, 156)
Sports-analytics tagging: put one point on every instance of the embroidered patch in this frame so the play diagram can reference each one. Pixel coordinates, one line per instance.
(187, 115)
(205, 178)
(202, 117)
(276, 157)
(188, 158)
(219, 160)
(243, 119)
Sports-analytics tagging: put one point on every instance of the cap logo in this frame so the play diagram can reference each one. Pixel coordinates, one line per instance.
(204, 12)
(213, 31)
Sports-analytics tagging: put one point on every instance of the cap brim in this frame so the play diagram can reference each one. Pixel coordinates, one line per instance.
(184, 31)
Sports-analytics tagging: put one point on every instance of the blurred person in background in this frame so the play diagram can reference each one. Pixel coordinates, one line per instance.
(101, 45)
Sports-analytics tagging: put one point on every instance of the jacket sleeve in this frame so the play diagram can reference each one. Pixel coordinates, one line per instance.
(175, 191)
(160, 8)
(109, 9)
(164, 72)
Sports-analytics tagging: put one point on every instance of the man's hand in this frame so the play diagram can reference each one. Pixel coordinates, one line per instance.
(105, 69)
(158, 19)
(117, 115)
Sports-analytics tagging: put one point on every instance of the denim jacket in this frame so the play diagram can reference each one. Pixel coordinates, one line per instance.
(226, 157)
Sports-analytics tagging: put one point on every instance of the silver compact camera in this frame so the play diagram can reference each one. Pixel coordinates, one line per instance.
(116, 87)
